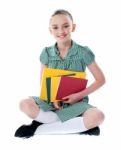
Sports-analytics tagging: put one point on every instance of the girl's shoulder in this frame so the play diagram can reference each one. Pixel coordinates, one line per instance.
(51, 51)
(85, 53)
(81, 48)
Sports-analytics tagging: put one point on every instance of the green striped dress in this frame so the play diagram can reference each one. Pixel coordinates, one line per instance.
(77, 59)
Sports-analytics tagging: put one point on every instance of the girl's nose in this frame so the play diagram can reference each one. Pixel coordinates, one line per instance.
(61, 30)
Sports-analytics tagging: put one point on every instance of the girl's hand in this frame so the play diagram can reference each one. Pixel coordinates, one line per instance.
(57, 105)
(73, 98)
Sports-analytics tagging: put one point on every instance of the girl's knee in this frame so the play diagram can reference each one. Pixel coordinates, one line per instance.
(100, 116)
(96, 115)
(25, 104)
(29, 107)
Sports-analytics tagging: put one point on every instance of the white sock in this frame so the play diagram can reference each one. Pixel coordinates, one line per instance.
(74, 125)
(47, 117)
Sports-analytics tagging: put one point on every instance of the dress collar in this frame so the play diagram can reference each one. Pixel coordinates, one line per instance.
(72, 51)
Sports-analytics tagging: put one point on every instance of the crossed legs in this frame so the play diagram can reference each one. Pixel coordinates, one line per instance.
(90, 118)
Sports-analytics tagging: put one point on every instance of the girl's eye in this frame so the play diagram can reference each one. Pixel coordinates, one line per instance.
(55, 28)
(66, 26)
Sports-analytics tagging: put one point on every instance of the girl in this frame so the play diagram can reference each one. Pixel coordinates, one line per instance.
(75, 116)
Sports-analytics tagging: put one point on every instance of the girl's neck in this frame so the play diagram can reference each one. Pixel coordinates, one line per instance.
(64, 46)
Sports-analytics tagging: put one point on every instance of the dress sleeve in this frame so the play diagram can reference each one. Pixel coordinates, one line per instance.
(44, 56)
(88, 56)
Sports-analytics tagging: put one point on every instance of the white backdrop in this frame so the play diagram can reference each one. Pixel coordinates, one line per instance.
(23, 34)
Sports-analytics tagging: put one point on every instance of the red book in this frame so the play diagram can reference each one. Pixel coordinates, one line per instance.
(69, 85)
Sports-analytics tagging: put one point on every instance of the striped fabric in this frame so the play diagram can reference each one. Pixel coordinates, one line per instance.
(77, 58)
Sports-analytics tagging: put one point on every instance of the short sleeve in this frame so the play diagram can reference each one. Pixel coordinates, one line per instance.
(44, 56)
(88, 56)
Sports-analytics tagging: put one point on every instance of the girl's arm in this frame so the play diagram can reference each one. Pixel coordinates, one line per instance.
(99, 81)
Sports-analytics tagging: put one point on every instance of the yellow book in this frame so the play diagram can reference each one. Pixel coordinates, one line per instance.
(54, 74)
(54, 87)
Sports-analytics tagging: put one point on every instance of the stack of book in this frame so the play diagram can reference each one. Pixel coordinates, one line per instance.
(58, 83)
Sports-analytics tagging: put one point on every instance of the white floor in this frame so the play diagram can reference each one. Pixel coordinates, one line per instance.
(106, 140)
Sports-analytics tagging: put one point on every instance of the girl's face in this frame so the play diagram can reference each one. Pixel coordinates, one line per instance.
(61, 27)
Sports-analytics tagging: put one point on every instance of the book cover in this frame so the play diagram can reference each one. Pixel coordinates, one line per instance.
(48, 86)
(69, 85)
(50, 72)
(54, 86)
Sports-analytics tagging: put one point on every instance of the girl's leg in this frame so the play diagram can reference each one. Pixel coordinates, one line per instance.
(92, 118)
(30, 108)
(74, 125)
(89, 120)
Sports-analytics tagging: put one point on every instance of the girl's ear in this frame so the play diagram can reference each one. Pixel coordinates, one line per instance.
(74, 27)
